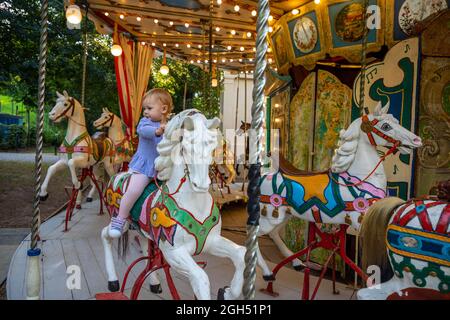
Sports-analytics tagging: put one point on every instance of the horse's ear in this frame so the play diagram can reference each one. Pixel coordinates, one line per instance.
(66, 94)
(385, 109)
(59, 95)
(377, 110)
(107, 110)
(188, 123)
(213, 123)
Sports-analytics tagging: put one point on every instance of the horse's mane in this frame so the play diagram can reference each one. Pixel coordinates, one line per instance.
(171, 137)
(347, 146)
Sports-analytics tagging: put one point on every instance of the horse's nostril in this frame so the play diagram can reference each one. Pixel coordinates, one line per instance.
(417, 140)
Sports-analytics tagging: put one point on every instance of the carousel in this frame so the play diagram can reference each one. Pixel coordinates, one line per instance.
(343, 168)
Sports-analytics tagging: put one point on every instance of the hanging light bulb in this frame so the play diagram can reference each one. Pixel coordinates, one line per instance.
(229, 47)
(295, 12)
(186, 25)
(192, 61)
(156, 21)
(164, 68)
(231, 60)
(270, 18)
(254, 13)
(270, 29)
(138, 19)
(236, 8)
(188, 45)
(219, 2)
(106, 13)
(122, 16)
(116, 49)
(73, 14)
(242, 48)
(224, 60)
(153, 44)
(177, 45)
(217, 29)
(249, 34)
(316, 1)
(233, 32)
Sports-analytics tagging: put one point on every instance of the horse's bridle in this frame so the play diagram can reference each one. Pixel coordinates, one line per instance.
(71, 106)
(368, 127)
(110, 119)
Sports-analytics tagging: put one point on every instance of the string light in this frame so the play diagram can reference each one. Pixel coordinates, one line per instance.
(215, 60)
(164, 44)
(295, 12)
(254, 13)
(217, 29)
(171, 23)
(316, 1)
(270, 18)
(106, 13)
(153, 44)
(229, 47)
(219, 2)
(176, 45)
(233, 32)
(251, 60)
(199, 46)
(231, 60)
(138, 19)
(143, 43)
(116, 49)
(224, 60)
(155, 21)
(192, 61)
(270, 29)
(188, 45)
(186, 25)
(198, 61)
(242, 48)
(269, 60)
(73, 14)
(236, 8)
(269, 49)
(206, 60)
(249, 34)
(121, 16)
(254, 49)
(240, 60)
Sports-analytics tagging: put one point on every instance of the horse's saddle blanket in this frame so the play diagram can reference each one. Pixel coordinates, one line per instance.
(304, 192)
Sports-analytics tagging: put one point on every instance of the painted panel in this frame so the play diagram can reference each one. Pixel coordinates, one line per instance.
(394, 80)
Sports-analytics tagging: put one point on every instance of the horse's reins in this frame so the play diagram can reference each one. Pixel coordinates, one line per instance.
(110, 119)
(71, 106)
(368, 127)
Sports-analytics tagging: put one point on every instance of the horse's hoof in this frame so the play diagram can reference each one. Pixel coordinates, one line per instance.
(43, 198)
(155, 288)
(113, 286)
(221, 293)
(270, 277)
(88, 199)
(299, 267)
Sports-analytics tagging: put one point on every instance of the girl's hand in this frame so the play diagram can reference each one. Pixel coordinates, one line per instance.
(161, 129)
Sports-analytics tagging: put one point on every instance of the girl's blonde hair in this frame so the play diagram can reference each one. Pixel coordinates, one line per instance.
(164, 97)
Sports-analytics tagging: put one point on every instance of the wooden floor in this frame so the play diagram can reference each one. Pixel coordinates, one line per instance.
(81, 246)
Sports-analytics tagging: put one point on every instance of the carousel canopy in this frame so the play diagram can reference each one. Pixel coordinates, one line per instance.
(182, 27)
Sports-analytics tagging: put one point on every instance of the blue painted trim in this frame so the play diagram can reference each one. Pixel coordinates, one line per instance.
(34, 252)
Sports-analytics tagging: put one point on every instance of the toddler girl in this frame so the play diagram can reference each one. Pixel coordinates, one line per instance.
(156, 106)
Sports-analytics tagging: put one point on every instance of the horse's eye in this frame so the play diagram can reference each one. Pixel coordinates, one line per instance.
(66, 104)
(386, 127)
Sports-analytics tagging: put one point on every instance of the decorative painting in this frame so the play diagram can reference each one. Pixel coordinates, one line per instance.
(305, 36)
(333, 111)
(279, 48)
(302, 124)
(404, 17)
(394, 80)
(344, 19)
(280, 119)
(434, 124)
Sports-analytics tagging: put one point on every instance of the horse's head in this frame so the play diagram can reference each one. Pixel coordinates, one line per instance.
(189, 140)
(64, 108)
(106, 119)
(382, 129)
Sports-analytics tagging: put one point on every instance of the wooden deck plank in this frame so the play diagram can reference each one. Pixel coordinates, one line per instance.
(54, 272)
(96, 281)
(71, 258)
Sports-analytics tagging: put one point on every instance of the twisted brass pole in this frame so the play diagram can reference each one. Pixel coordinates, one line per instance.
(362, 81)
(254, 173)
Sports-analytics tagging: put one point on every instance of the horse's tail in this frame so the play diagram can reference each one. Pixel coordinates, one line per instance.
(373, 235)
(122, 245)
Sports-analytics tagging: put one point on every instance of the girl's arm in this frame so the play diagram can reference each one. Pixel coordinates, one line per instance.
(146, 130)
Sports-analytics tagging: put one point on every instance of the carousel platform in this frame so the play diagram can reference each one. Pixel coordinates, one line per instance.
(223, 196)
(81, 246)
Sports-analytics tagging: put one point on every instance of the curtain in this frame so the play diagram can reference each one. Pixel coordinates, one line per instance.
(132, 76)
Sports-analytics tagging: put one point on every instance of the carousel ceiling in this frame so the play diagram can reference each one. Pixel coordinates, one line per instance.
(182, 26)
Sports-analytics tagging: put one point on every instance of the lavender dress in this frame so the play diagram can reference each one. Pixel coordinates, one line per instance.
(143, 160)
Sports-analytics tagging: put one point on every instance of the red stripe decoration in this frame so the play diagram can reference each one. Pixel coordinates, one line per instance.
(123, 113)
(400, 212)
(127, 87)
(423, 217)
(444, 220)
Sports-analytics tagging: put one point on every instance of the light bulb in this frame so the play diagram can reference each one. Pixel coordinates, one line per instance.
(176, 45)
(240, 60)
(231, 60)
(138, 18)
(270, 18)
(155, 21)
(316, 1)
(188, 45)
(186, 25)
(295, 11)
(217, 29)
(224, 60)
(229, 47)
(233, 32)
(73, 14)
(249, 34)
(171, 23)
(122, 16)
(106, 13)
(153, 44)
(116, 50)
(214, 83)
(219, 2)
(270, 29)
(199, 46)
(236, 8)
(254, 13)
(192, 61)
(164, 70)
(242, 48)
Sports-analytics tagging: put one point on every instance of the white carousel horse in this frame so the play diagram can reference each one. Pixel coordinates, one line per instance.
(122, 148)
(413, 241)
(79, 149)
(183, 220)
(340, 195)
